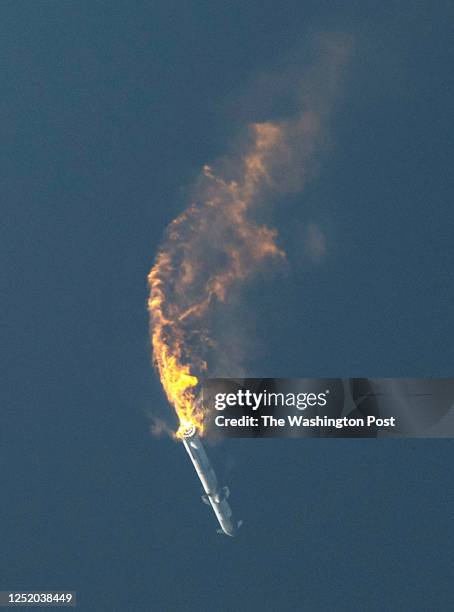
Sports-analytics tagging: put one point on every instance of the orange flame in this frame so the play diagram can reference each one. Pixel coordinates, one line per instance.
(216, 243)
(184, 281)
(167, 341)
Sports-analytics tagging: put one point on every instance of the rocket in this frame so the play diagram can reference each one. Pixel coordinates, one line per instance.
(215, 496)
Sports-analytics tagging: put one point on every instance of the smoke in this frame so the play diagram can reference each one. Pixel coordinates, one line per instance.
(159, 427)
(219, 242)
(315, 242)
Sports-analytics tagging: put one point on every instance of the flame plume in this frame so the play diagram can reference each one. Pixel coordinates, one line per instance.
(182, 286)
(216, 244)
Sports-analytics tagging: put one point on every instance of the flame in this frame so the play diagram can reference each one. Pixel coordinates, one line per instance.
(184, 283)
(167, 342)
(217, 243)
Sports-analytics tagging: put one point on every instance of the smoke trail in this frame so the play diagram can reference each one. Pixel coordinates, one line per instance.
(217, 243)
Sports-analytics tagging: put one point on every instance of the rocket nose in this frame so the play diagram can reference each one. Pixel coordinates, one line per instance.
(226, 532)
(229, 529)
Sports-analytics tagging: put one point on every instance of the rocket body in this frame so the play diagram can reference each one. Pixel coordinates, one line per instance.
(215, 495)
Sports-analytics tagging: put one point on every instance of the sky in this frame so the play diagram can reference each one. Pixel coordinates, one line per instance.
(108, 111)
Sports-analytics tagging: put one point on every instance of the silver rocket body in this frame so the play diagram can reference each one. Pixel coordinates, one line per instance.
(215, 495)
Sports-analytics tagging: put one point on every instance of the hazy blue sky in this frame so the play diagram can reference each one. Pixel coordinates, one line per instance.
(107, 112)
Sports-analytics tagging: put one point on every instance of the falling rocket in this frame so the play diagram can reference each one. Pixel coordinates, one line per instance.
(219, 243)
(215, 496)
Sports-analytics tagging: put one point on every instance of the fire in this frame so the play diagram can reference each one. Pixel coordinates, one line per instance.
(195, 268)
(175, 376)
(217, 243)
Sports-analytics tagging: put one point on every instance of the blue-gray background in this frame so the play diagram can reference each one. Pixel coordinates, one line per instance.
(106, 110)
